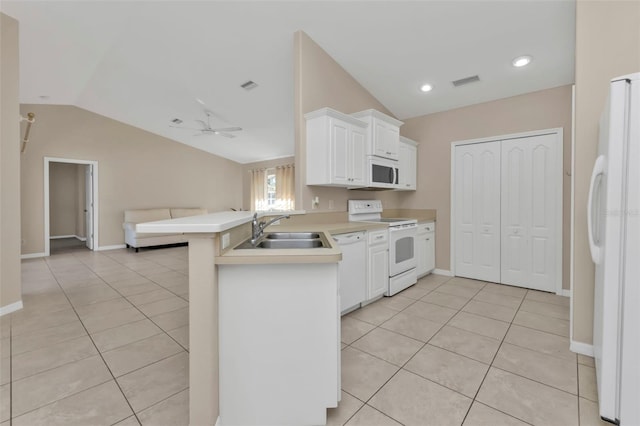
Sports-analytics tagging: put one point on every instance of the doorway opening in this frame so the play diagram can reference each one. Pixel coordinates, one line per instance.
(70, 205)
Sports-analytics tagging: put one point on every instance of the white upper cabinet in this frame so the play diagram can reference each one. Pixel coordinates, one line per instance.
(383, 133)
(336, 149)
(408, 159)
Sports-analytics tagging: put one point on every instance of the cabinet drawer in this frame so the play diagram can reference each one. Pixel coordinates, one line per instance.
(378, 237)
(426, 227)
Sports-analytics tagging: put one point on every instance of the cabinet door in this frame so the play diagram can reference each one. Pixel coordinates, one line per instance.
(407, 160)
(529, 237)
(378, 281)
(386, 139)
(340, 152)
(421, 254)
(477, 211)
(430, 256)
(358, 157)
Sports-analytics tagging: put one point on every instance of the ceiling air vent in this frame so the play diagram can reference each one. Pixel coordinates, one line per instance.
(176, 121)
(466, 80)
(249, 85)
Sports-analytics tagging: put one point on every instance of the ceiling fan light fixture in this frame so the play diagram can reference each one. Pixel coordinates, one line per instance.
(522, 61)
(426, 88)
(176, 121)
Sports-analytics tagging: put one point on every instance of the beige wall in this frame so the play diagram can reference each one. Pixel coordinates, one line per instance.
(64, 194)
(607, 46)
(321, 82)
(137, 169)
(246, 176)
(9, 163)
(435, 132)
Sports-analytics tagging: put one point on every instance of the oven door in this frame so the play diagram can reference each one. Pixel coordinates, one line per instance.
(402, 249)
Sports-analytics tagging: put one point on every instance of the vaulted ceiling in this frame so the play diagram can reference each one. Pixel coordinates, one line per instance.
(146, 62)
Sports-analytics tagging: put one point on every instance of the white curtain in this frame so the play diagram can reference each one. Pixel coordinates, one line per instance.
(285, 187)
(258, 196)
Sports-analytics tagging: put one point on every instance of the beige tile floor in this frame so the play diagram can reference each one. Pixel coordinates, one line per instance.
(103, 339)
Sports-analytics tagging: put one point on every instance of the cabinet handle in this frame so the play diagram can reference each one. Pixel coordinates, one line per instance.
(408, 185)
(388, 153)
(379, 237)
(428, 239)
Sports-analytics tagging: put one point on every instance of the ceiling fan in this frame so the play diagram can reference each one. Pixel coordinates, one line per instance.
(206, 128)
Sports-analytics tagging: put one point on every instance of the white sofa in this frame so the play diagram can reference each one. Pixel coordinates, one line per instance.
(137, 240)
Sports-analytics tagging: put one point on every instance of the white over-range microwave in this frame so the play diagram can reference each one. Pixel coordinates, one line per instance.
(382, 173)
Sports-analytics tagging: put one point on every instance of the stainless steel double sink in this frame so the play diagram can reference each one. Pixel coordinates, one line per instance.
(288, 240)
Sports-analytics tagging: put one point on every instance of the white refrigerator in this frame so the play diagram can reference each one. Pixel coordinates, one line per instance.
(614, 240)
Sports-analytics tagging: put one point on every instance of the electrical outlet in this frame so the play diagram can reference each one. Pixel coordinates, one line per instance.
(226, 240)
(315, 202)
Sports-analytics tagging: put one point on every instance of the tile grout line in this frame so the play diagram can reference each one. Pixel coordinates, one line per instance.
(491, 365)
(401, 367)
(98, 350)
(136, 307)
(426, 343)
(139, 368)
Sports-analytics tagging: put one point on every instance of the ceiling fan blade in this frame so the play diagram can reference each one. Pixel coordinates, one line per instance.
(228, 129)
(185, 128)
(226, 135)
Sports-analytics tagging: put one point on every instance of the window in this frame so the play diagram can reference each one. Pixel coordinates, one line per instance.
(273, 188)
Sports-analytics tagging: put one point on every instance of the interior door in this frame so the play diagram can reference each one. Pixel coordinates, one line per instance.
(88, 207)
(477, 211)
(529, 206)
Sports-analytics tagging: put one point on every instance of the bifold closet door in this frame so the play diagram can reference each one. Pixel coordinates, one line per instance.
(529, 212)
(477, 211)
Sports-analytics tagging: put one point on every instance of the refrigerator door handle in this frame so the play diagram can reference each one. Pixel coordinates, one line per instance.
(598, 169)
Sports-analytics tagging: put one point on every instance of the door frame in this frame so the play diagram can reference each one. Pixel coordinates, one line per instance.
(94, 186)
(559, 176)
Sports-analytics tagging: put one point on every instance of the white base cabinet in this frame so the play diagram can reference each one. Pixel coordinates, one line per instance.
(279, 334)
(378, 264)
(426, 248)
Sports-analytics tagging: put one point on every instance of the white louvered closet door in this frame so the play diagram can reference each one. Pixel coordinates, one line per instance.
(477, 211)
(529, 212)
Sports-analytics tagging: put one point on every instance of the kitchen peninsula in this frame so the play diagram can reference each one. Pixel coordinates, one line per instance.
(248, 306)
(263, 325)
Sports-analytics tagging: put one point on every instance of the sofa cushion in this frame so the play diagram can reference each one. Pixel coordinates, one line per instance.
(148, 215)
(176, 213)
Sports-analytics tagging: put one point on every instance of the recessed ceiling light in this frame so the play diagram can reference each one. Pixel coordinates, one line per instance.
(521, 61)
(426, 88)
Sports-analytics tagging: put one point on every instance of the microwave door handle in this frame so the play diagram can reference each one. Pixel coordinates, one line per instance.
(391, 174)
(397, 170)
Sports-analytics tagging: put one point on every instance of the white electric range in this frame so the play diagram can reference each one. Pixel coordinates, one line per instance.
(402, 242)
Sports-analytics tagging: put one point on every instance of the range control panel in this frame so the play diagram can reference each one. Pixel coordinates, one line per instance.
(365, 206)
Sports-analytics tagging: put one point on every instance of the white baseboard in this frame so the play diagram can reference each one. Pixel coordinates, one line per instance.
(58, 237)
(443, 272)
(4, 310)
(218, 421)
(114, 247)
(32, 255)
(565, 292)
(581, 348)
